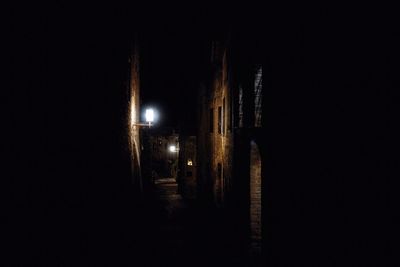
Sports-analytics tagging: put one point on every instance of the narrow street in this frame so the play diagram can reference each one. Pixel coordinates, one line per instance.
(200, 134)
(183, 234)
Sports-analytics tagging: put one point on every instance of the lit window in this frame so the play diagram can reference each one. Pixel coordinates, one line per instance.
(190, 162)
(258, 96)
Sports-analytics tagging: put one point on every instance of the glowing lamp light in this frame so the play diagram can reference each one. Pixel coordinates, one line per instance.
(172, 148)
(190, 162)
(149, 115)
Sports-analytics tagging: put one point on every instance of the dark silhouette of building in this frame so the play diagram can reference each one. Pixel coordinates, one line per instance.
(164, 148)
(187, 173)
(160, 153)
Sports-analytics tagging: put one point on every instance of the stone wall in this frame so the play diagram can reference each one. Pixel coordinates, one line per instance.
(220, 137)
(134, 117)
(255, 194)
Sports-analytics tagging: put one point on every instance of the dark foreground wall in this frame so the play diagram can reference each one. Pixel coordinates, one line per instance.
(330, 177)
(67, 192)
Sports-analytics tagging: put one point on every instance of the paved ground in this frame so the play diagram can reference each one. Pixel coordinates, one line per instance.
(186, 235)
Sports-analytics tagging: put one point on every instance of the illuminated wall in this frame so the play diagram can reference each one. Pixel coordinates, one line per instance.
(220, 135)
(229, 139)
(134, 117)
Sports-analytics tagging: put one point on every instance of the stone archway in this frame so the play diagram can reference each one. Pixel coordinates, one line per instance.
(255, 195)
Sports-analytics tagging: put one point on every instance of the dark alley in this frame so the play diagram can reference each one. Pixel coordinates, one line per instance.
(200, 135)
(182, 233)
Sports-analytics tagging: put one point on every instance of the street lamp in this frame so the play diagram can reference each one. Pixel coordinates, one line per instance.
(172, 148)
(149, 116)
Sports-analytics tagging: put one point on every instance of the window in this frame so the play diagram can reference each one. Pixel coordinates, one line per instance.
(258, 96)
(189, 174)
(219, 119)
(240, 106)
(211, 120)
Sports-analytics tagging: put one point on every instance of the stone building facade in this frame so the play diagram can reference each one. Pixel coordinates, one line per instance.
(215, 137)
(220, 132)
(230, 137)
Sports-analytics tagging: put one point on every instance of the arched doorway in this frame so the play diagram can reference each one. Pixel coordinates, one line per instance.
(255, 196)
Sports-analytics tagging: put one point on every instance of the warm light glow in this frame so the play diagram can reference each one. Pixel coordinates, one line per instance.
(190, 162)
(172, 148)
(133, 113)
(149, 115)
